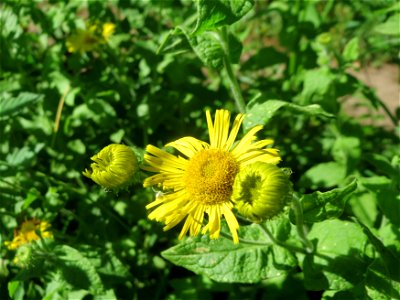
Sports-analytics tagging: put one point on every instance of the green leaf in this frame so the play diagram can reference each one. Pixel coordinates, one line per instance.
(324, 175)
(339, 262)
(223, 261)
(364, 207)
(387, 195)
(390, 27)
(351, 51)
(174, 42)
(260, 113)
(9, 23)
(391, 263)
(388, 234)
(23, 156)
(319, 206)
(346, 150)
(208, 48)
(379, 285)
(264, 58)
(317, 83)
(12, 288)
(10, 105)
(77, 270)
(33, 195)
(235, 49)
(384, 165)
(216, 13)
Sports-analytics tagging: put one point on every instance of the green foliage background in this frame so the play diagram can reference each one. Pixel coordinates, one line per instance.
(151, 83)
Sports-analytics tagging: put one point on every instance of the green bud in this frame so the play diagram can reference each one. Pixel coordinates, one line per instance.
(114, 167)
(261, 191)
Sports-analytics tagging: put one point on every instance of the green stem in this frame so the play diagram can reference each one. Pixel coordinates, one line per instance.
(390, 115)
(282, 244)
(234, 85)
(301, 230)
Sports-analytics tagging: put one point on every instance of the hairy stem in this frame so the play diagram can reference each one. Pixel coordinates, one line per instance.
(234, 85)
(301, 230)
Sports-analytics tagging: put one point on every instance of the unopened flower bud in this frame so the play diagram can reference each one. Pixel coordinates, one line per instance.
(114, 167)
(261, 191)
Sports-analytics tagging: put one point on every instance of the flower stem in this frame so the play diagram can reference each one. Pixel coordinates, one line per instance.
(301, 230)
(234, 85)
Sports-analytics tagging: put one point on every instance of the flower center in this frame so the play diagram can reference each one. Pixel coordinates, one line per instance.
(210, 175)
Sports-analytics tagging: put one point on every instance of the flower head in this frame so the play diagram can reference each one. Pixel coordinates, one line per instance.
(85, 40)
(261, 191)
(114, 167)
(29, 231)
(200, 182)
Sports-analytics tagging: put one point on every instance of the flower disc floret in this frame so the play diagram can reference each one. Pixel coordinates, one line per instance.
(209, 176)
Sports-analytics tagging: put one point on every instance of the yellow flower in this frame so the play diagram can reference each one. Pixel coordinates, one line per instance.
(114, 167)
(29, 232)
(108, 30)
(88, 39)
(261, 191)
(201, 182)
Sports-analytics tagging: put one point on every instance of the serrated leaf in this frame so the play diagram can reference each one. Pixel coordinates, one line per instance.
(77, 270)
(10, 105)
(223, 261)
(216, 13)
(339, 262)
(262, 113)
(208, 49)
(319, 206)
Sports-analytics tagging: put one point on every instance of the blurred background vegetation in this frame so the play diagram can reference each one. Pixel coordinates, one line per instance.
(58, 108)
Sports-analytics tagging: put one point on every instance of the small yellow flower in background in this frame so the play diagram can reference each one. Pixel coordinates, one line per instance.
(85, 40)
(201, 182)
(31, 230)
(108, 30)
(261, 191)
(114, 167)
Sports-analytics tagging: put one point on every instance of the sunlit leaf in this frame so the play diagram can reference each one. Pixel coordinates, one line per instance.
(10, 105)
(212, 14)
(223, 261)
